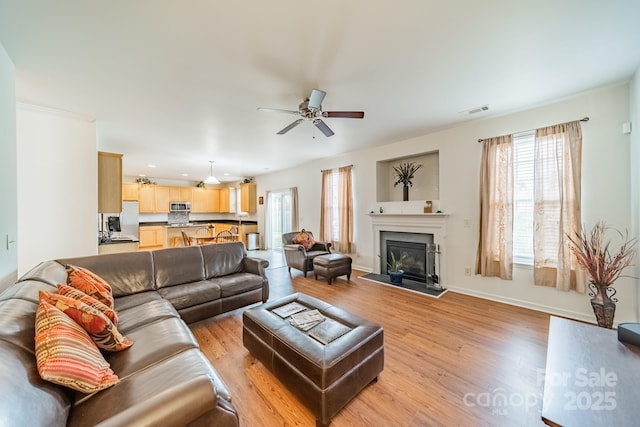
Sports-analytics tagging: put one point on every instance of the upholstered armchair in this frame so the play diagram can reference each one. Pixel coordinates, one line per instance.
(300, 257)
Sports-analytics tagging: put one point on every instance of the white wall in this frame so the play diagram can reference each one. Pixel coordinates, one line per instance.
(57, 185)
(635, 173)
(606, 193)
(8, 192)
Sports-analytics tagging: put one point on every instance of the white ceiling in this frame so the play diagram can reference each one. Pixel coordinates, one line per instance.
(177, 83)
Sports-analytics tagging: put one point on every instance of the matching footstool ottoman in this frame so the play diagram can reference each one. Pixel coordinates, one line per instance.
(324, 377)
(332, 266)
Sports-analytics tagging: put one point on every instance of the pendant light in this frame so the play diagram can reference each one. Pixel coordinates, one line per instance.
(211, 179)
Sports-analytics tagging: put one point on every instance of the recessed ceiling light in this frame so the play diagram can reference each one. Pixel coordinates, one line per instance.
(185, 174)
(226, 174)
(141, 174)
(151, 166)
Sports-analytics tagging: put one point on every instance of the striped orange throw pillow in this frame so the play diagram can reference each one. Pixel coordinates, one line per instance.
(90, 283)
(67, 290)
(102, 330)
(66, 355)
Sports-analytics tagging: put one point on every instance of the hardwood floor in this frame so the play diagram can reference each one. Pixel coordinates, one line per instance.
(453, 361)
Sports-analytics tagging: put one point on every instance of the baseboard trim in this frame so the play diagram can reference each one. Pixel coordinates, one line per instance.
(587, 318)
(525, 304)
(361, 268)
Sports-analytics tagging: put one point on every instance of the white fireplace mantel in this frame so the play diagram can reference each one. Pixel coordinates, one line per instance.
(435, 223)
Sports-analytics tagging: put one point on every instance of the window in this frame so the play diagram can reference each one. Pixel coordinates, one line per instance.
(529, 203)
(335, 203)
(336, 218)
(523, 155)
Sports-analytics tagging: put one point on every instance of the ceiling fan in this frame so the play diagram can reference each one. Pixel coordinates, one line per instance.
(311, 109)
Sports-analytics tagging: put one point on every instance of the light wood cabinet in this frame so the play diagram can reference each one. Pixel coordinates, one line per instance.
(147, 198)
(117, 248)
(157, 198)
(162, 199)
(205, 200)
(199, 200)
(180, 194)
(152, 236)
(109, 182)
(215, 199)
(227, 200)
(130, 191)
(153, 198)
(243, 230)
(248, 197)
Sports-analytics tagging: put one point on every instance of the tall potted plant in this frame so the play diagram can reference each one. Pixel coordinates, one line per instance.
(603, 267)
(404, 173)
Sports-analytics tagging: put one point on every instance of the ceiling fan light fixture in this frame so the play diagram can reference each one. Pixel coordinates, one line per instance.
(211, 179)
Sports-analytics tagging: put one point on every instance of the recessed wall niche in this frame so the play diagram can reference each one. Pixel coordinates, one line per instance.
(426, 183)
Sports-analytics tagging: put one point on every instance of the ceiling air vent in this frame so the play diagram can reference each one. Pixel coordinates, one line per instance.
(475, 110)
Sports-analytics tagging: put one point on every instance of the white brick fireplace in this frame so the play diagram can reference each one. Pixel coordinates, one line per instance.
(435, 224)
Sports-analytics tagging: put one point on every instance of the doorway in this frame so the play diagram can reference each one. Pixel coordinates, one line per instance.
(282, 215)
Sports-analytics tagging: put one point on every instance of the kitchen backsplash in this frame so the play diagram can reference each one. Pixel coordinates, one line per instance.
(177, 218)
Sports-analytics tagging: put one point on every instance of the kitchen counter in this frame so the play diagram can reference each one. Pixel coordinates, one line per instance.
(199, 223)
(118, 245)
(117, 239)
(173, 233)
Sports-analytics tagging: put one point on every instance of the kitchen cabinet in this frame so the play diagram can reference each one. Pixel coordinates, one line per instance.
(152, 236)
(147, 198)
(180, 194)
(227, 200)
(153, 198)
(162, 199)
(205, 200)
(243, 230)
(248, 197)
(109, 182)
(116, 248)
(130, 191)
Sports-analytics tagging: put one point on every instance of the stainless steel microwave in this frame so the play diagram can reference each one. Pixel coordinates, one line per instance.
(180, 207)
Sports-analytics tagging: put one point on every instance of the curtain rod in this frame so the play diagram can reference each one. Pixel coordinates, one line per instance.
(324, 170)
(584, 119)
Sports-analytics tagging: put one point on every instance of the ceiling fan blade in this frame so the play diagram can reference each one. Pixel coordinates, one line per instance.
(344, 114)
(291, 126)
(316, 98)
(323, 127)
(277, 110)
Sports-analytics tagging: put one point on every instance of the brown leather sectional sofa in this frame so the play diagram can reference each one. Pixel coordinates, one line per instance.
(164, 378)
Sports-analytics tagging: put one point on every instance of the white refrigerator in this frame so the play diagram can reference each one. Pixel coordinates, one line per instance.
(129, 220)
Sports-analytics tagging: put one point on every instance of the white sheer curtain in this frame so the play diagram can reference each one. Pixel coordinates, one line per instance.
(268, 221)
(495, 246)
(281, 215)
(557, 191)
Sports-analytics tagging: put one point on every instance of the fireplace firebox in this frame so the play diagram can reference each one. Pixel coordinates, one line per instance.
(418, 252)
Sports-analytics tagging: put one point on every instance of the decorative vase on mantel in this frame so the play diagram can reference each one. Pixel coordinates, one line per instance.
(405, 193)
(603, 303)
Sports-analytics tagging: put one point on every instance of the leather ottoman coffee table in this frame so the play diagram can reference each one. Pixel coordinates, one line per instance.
(325, 377)
(332, 266)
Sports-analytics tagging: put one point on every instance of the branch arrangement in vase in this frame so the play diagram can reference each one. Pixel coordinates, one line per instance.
(404, 173)
(593, 254)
